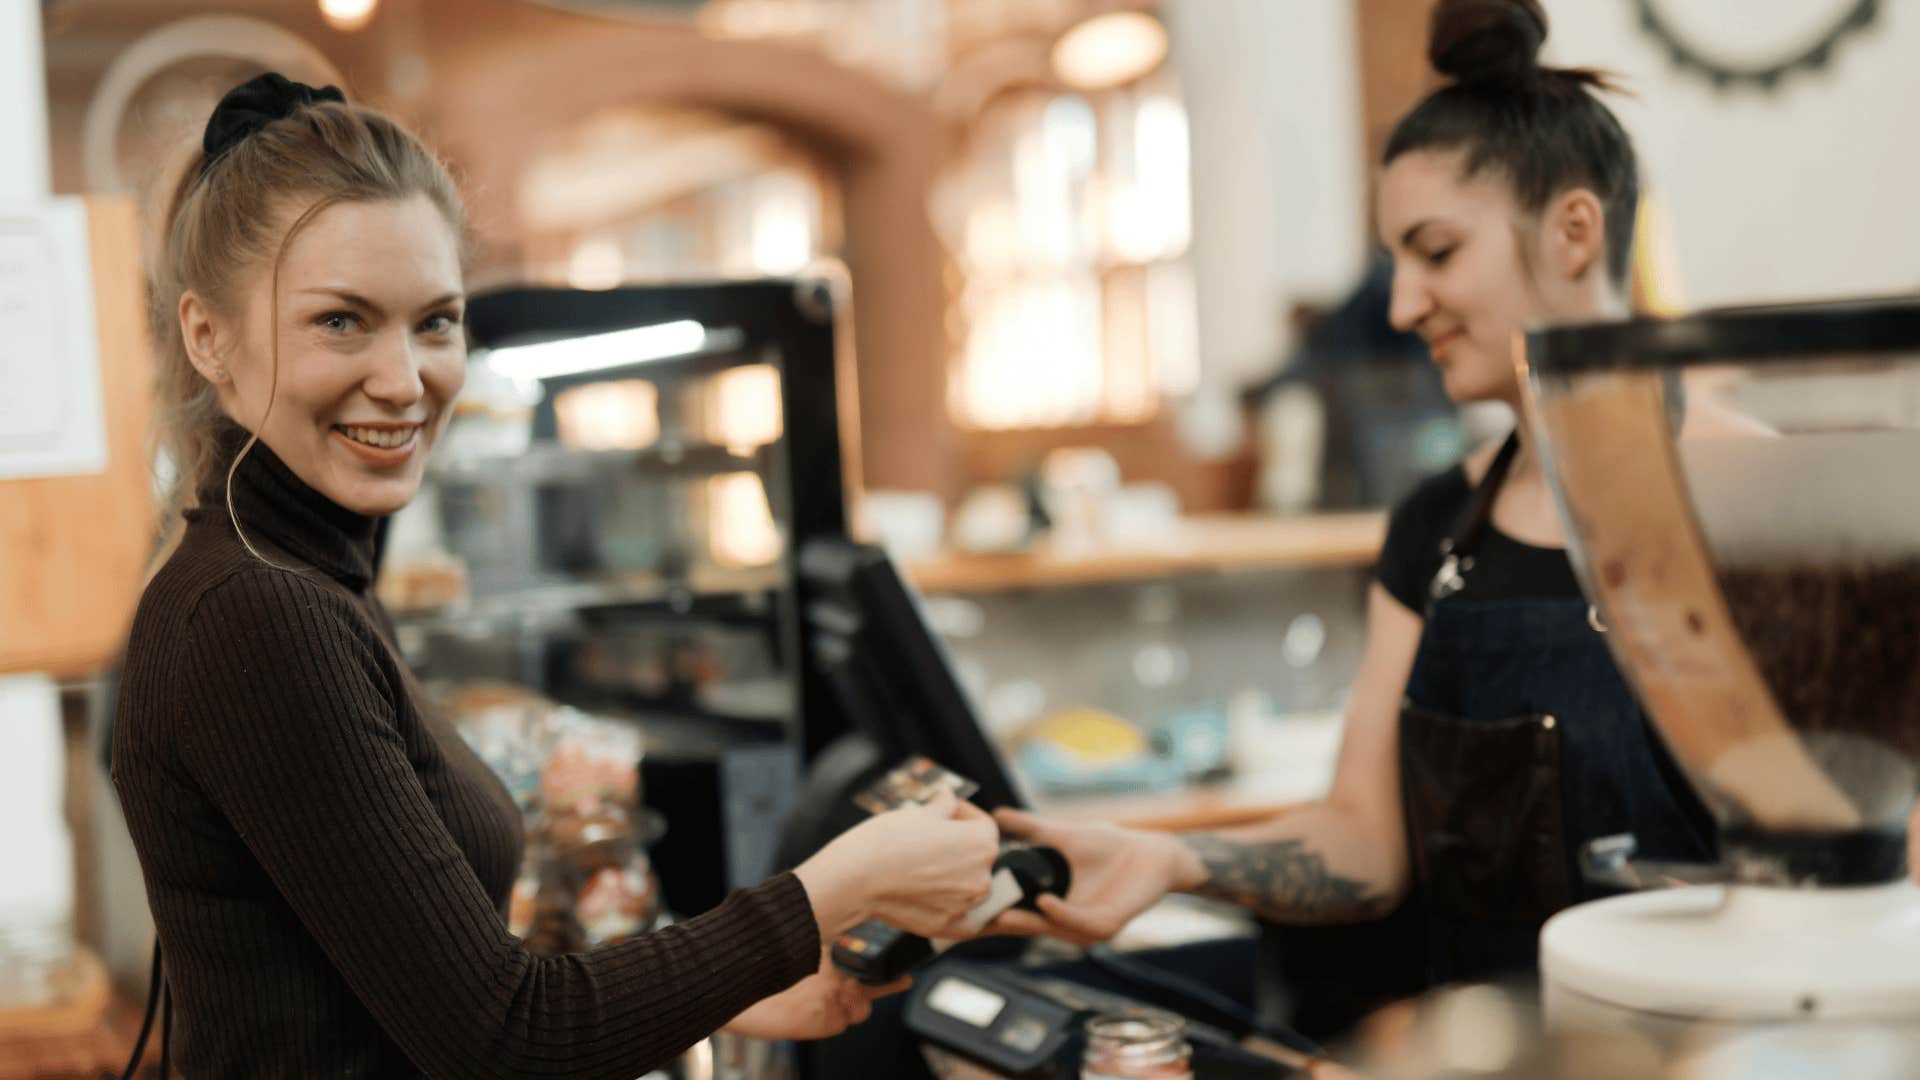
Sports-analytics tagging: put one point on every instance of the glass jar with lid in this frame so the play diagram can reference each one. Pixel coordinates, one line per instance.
(1134, 1046)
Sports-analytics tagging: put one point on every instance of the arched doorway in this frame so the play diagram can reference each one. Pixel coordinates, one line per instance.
(504, 87)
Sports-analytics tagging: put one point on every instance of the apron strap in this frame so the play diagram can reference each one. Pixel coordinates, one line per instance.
(1456, 550)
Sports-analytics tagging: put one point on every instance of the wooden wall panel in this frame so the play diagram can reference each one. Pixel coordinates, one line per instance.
(1394, 74)
(73, 549)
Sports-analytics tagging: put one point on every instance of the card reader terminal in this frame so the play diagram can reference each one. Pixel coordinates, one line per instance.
(877, 954)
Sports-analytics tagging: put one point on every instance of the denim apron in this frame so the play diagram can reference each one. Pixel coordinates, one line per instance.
(1519, 744)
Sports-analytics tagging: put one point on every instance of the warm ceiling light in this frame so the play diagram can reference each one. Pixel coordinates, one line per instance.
(1109, 50)
(598, 263)
(347, 14)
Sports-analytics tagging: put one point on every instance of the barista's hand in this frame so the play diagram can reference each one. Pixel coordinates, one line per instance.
(820, 1006)
(1117, 874)
(917, 868)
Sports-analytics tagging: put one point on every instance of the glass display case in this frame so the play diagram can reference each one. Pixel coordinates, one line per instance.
(606, 529)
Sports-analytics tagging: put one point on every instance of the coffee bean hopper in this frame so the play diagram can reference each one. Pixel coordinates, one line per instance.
(1741, 492)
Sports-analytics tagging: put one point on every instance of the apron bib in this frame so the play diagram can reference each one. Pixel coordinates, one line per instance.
(1519, 743)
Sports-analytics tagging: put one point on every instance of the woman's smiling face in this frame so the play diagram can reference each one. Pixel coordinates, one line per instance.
(371, 350)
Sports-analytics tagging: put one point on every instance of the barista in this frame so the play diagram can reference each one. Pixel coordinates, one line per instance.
(1488, 735)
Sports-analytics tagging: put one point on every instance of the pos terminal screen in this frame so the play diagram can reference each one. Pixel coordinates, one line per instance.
(966, 1002)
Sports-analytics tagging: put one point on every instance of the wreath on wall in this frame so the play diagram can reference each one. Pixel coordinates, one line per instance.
(1764, 76)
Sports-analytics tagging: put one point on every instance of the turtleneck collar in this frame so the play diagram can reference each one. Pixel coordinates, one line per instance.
(273, 503)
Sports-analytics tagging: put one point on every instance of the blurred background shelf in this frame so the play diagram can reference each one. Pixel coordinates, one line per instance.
(1203, 544)
(739, 595)
(1282, 762)
(555, 463)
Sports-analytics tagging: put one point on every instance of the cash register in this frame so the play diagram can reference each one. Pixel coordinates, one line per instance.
(895, 685)
(988, 1021)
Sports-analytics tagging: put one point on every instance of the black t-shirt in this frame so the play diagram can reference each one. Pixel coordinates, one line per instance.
(1503, 568)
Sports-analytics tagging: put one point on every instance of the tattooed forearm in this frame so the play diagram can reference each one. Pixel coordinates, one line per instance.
(1281, 880)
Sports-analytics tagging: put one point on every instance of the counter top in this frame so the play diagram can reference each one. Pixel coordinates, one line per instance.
(1202, 544)
(1282, 762)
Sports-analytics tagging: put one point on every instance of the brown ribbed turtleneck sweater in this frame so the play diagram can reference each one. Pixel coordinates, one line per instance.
(327, 861)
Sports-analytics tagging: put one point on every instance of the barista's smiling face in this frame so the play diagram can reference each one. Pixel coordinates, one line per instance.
(1460, 273)
(371, 350)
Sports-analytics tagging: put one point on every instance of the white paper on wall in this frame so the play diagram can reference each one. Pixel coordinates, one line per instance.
(52, 417)
(37, 888)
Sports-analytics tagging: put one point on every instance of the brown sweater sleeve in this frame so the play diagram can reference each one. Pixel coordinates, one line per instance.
(292, 735)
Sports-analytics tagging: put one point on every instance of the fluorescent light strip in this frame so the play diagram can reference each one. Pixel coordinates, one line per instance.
(598, 352)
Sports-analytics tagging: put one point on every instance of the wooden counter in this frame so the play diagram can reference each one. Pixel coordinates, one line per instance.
(1286, 761)
(89, 1031)
(1209, 544)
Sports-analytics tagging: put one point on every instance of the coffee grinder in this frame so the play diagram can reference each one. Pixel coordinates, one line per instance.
(1741, 493)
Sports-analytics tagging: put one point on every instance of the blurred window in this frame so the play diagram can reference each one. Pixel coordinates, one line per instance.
(1069, 217)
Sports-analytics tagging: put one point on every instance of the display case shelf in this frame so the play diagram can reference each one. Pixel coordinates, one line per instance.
(548, 463)
(1212, 544)
(732, 595)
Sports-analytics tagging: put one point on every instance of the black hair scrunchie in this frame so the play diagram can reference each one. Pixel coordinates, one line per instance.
(253, 105)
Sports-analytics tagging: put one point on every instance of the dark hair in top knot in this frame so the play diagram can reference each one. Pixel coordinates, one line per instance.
(1487, 40)
(1542, 127)
(253, 105)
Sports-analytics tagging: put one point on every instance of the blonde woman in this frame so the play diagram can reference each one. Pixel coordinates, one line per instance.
(326, 861)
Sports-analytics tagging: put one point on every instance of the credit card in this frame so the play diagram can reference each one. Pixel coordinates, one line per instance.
(912, 782)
